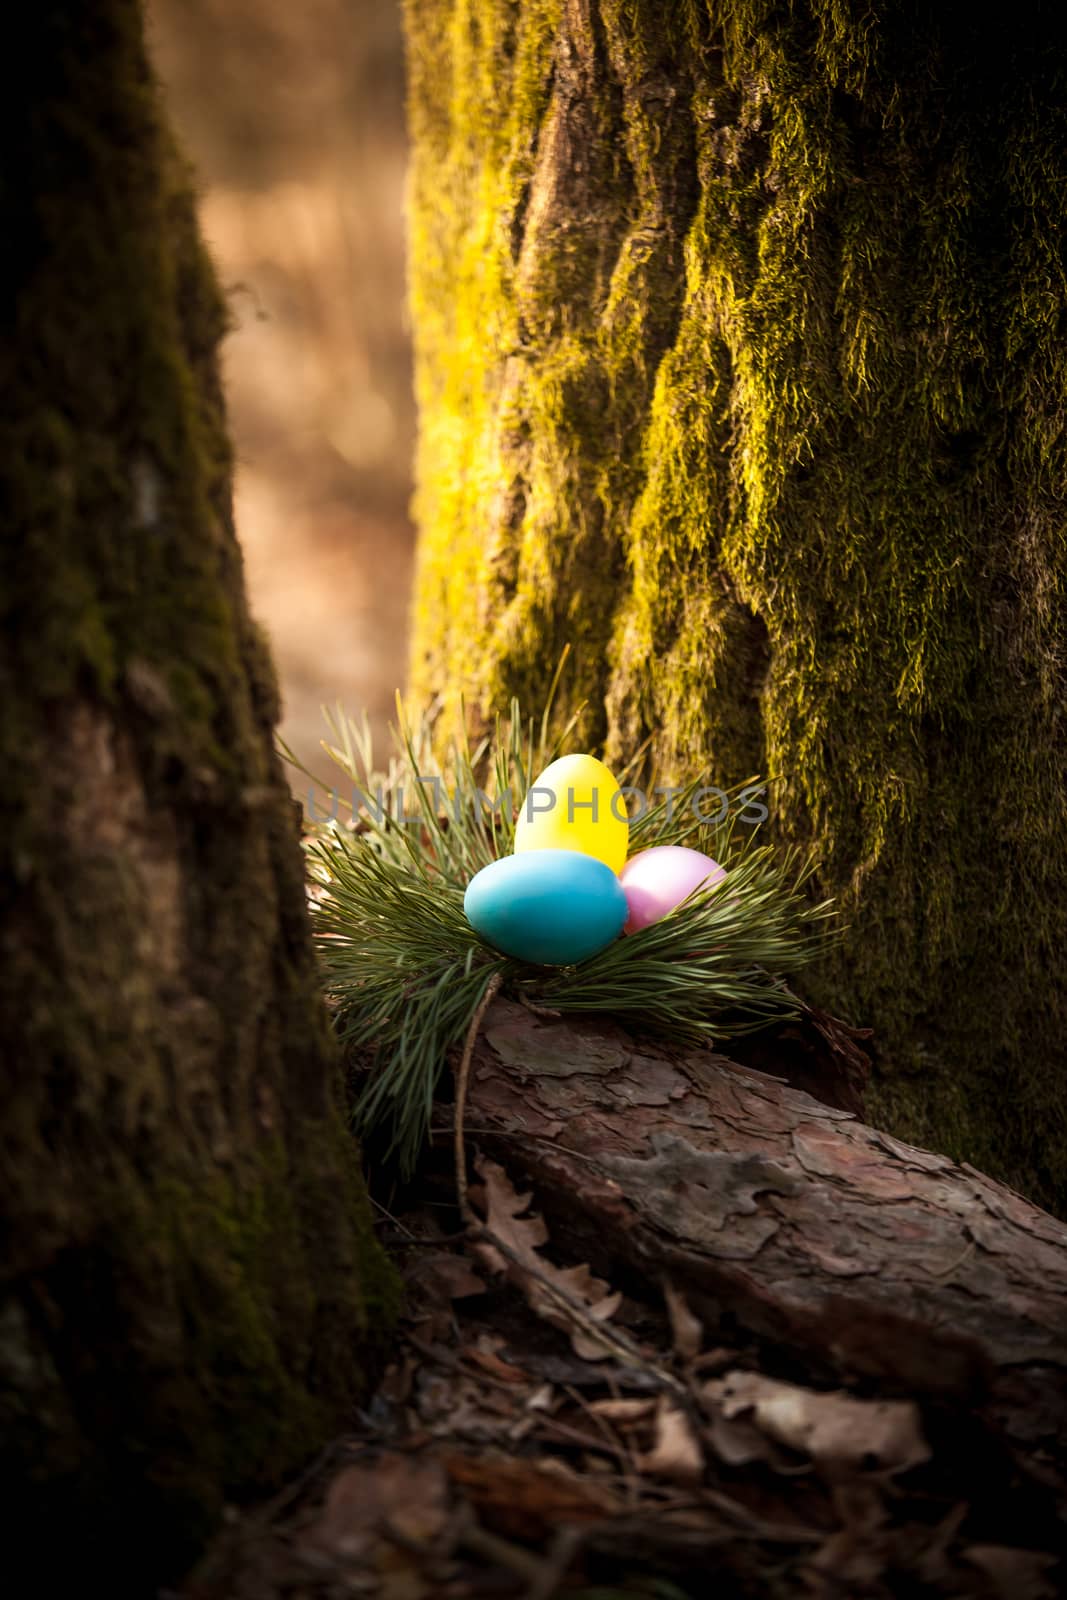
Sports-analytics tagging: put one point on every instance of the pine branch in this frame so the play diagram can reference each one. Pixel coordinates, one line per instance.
(406, 974)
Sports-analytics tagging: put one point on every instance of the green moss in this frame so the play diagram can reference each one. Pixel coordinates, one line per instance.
(117, 439)
(197, 1351)
(740, 365)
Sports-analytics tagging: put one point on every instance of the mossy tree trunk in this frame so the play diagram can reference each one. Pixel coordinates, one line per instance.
(741, 365)
(190, 1295)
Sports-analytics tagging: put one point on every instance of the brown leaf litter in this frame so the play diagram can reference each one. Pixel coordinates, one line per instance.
(510, 1454)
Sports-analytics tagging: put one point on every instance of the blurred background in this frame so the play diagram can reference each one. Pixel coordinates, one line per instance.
(294, 117)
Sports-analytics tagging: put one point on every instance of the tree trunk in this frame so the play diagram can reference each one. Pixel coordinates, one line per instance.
(739, 365)
(190, 1293)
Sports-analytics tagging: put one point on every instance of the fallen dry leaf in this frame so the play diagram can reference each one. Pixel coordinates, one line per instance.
(524, 1236)
(737, 1442)
(676, 1453)
(622, 1410)
(714, 1360)
(687, 1330)
(446, 1276)
(490, 1362)
(1014, 1574)
(835, 1429)
(504, 1208)
(855, 1554)
(389, 1493)
(528, 1499)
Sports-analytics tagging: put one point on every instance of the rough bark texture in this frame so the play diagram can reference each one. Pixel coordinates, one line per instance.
(190, 1293)
(740, 365)
(855, 1257)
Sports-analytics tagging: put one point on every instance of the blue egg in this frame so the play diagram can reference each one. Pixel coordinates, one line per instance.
(552, 907)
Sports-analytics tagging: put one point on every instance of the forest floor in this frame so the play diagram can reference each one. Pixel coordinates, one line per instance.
(505, 1455)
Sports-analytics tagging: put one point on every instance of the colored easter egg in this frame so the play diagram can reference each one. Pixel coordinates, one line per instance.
(552, 907)
(575, 805)
(660, 878)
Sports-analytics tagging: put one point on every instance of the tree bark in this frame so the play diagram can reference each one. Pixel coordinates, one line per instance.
(739, 368)
(845, 1253)
(190, 1293)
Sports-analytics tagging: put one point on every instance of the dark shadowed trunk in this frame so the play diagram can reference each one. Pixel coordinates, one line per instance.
(741, 366)
(190, 1295)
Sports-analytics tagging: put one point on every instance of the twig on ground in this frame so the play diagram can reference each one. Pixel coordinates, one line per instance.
(394, 1220)
(454, 1363)
(613, 1440)
(566, 1543)
(530, 1568)
(492, 988)
(625, 1350)
(538, 1011)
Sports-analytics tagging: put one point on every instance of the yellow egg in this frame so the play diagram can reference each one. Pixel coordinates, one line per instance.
(575, 804)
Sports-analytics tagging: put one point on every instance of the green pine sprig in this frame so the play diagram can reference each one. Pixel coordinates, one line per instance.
(405, 972)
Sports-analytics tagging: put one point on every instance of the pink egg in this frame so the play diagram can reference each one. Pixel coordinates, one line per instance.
(657, 880)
